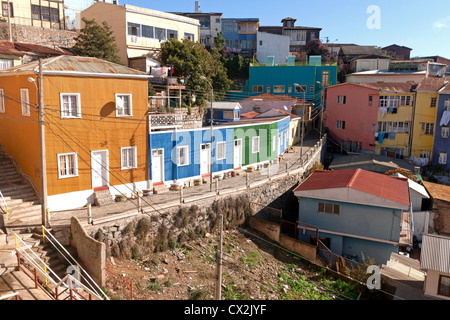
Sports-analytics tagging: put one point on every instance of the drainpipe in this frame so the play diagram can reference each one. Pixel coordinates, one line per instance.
(411, 130)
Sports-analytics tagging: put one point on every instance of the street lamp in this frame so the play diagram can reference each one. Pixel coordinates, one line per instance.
(303, 117)
(211, 126)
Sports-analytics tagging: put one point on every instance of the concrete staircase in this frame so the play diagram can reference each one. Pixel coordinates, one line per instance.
(13, 280)
(23, 204)
(103, 198)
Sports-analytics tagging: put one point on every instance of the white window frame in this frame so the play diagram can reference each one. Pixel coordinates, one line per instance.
(63, 112)
(75, 164)
(445, 132)
(126, 166)
(340, 124)
(442, 157)
(221, 150)
(341, 99)
(130, 105)
(447, 105)
(274, 143)
(25, 103)
(255, 144)
(2, 101)
(183, 160)
(428, 128)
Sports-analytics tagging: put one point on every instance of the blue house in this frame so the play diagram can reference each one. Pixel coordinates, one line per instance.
(357, 213)
(240, 35)
(441, 148)
(306, 80)
(224, 112)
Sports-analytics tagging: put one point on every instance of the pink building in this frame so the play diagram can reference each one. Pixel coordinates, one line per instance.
(351, 116)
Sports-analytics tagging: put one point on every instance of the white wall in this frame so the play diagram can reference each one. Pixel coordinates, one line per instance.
(268, 44)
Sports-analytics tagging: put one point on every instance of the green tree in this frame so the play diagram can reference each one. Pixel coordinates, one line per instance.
(191, 61)
(315, 47)
(97, 41)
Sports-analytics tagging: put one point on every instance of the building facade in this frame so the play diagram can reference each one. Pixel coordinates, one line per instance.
(140, 32)
(95, 127)
(240, 35)
(441, 148)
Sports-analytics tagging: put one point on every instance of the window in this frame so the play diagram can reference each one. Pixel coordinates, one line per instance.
(221, 150)
(341, 99)
(384, 101)
(70, 105)
(444, 286)
(443, 158)
(447, 105)
(2, 101)
(258, 89)
(25, 102)
(134, 29)
(54, 15)
(428, 128)
(268, 89)
(311, 88)
(35, 12)
(128, 156)
(433, 102)
(45, 13)
(300, 89)
(123, 105)
(393, 126)
(255, 144)
(278, 89)
(274, 143)
(172, 34)
(260, 42)
(425, 154)
(147, 31)
(405, 100)
(67, 165)
(329, 208)
(189, 36)
(340, 124)
(325, 78)
(160, 34)
(236, 114)
(370, 101)
(183, 156)
(444, 131)
(5, 9)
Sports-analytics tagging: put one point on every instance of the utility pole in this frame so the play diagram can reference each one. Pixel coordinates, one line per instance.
(42, 147)
(218, 294)
(9, 21)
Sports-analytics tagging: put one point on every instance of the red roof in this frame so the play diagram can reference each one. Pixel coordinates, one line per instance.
(275, 97)
(379, 185)
(250, 114)
(7, 47)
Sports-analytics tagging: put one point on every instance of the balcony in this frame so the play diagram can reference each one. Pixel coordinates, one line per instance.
(165, 120)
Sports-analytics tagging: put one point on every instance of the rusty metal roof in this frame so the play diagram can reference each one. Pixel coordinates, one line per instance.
(437, 191)
(395, 87)
(379, 185)
(435, 253)
(7, 47)
(76, 64)
(432, 84)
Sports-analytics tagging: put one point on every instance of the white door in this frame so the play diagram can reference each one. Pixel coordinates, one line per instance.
(280, 143)
(205, 158)
(237, 152)
(99, 168)
(157, 165)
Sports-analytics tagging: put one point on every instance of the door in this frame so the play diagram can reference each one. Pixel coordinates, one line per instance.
(205, 158)
(280, 143)
(100, 168)
(157, 166)
(237, 154)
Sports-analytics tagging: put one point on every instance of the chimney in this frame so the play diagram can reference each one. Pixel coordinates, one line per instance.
(197, 7)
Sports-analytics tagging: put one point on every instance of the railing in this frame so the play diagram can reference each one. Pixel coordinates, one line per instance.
(335, 261)
(165, 119)
(38, 271)
(3, 205)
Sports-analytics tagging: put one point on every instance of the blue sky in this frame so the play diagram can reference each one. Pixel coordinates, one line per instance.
(423, 26)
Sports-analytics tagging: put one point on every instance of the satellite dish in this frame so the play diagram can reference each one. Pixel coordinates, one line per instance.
(119, 103)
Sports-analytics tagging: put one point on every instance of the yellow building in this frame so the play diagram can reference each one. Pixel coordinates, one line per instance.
(424, 127)
(36, 13)
(140, 32)
(392, 132)
(96, 127)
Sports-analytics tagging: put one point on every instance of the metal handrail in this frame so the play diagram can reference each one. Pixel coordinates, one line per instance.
(6, 206)
(78, 265)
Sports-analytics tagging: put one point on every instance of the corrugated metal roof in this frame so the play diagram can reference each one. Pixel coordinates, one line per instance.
(380, 185)
(76, 64)
(435, 253)
(275, 97)
(7, 47)
(437, 191)
(432, 84)
(403, 87)
(364, 50)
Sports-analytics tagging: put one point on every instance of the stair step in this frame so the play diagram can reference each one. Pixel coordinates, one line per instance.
(12, 203)
(13, 188)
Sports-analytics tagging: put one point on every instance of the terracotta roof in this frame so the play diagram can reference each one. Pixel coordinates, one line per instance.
(250, 114)
(379, 185)
(437, 191)
(404, 87)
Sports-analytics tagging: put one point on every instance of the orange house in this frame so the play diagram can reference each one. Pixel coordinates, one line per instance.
(96, 127)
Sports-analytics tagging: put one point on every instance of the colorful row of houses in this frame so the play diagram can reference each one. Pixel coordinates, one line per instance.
(397, 119)
(98, 134)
